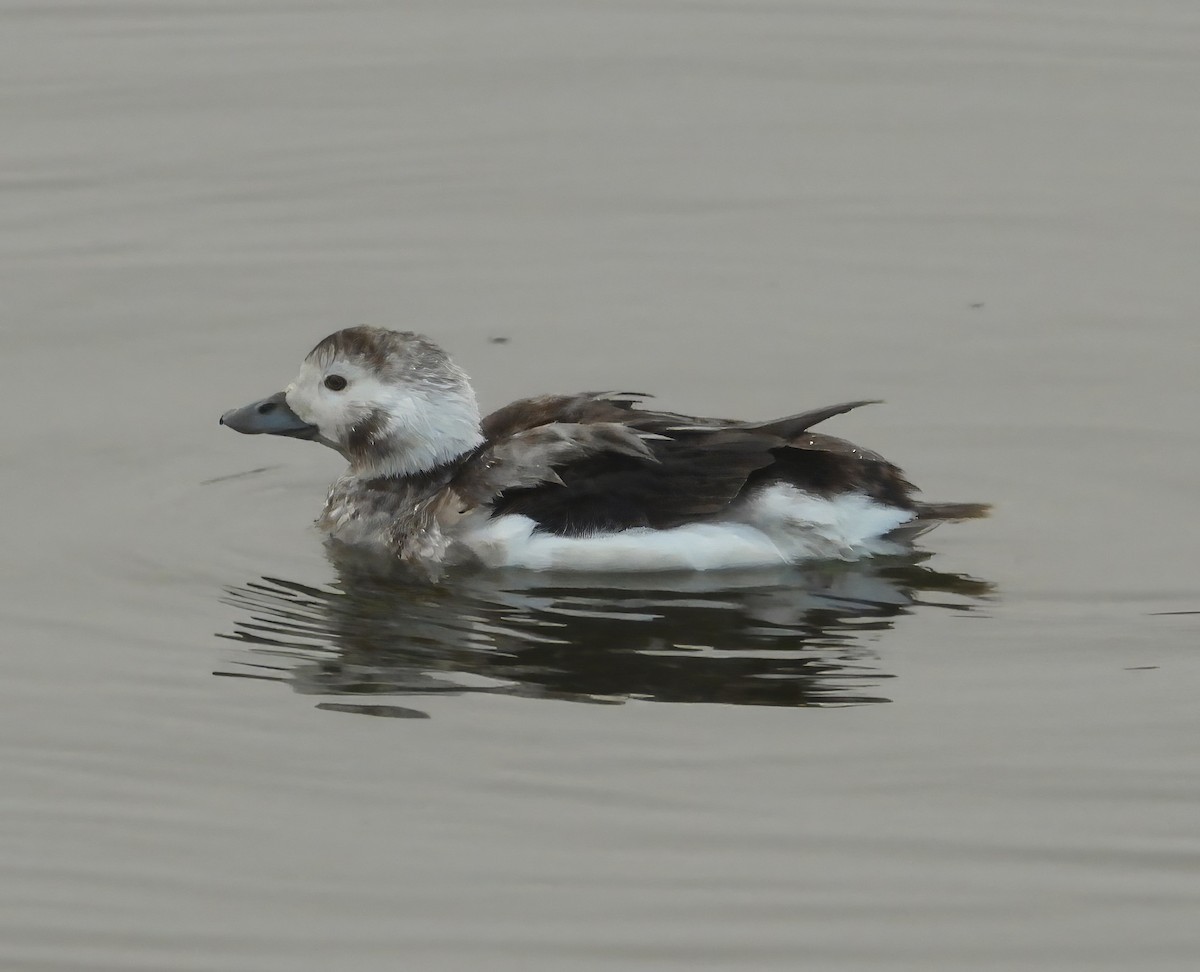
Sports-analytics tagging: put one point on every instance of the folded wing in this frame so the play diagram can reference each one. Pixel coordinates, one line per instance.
(596, 463)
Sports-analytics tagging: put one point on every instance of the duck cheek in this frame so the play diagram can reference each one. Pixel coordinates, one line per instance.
(366, 433)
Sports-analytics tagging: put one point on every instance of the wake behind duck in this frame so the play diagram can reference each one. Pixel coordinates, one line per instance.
(585, 482)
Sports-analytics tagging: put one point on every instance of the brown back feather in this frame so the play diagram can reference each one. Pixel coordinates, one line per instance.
(595, 462)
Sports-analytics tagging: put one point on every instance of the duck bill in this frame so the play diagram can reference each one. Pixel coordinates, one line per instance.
(269, 416)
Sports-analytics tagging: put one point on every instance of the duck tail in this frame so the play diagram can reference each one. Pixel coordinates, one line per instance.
(930, 515)
(942, 512)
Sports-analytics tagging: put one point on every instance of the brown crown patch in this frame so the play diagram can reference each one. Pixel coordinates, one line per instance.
(390, 354)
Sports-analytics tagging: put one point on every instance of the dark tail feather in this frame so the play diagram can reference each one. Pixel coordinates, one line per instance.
(952, 511)
(930, 515)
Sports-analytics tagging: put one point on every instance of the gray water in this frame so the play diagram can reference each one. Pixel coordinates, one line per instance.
(986, 214)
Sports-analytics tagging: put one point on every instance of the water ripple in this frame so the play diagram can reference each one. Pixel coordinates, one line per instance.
(801, 636)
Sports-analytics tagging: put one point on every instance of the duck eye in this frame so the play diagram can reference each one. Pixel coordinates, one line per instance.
(335, 382)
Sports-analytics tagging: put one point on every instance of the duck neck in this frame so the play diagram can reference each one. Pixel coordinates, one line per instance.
(416, 461)
(415, 437)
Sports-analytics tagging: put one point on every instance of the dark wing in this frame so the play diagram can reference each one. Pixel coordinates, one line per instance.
(582, 409)
(596, 463)
(605, 492)
(534, 458)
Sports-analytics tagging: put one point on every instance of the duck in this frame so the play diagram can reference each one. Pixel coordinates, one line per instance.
(594, 481)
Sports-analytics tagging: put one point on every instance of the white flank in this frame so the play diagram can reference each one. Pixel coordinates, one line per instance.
(781, 525)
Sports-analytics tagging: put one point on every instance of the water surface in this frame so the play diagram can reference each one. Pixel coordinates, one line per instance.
(982, 758)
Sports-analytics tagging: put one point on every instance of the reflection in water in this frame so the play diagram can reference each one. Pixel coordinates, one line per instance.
(796, 636)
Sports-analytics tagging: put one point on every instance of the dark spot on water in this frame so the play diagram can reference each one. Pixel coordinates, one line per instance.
(237, 475)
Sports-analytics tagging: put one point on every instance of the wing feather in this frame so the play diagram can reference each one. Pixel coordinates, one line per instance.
(596, 462)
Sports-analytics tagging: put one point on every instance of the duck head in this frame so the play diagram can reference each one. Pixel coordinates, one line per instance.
(391, 402)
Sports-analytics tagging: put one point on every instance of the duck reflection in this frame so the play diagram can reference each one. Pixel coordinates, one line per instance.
(796, 636)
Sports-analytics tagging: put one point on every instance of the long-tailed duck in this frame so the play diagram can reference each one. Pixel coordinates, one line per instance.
(587, 482)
